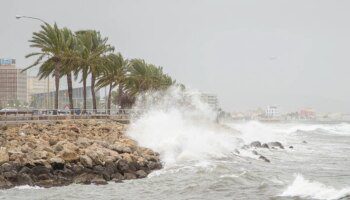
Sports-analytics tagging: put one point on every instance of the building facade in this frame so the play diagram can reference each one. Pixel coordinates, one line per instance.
(271, 112)
(40, 100)
(210, 99)
(36, 86)
(13, 84)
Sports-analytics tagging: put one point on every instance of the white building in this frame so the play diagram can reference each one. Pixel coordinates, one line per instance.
(36, 86)
(271, 112)
(210, 99)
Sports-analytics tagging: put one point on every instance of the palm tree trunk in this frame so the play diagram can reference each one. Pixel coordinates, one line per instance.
(70, 92)
(94, 103)
(84, 95)
(120, 95)
(84, 90)
(57, 85)
(109, 99)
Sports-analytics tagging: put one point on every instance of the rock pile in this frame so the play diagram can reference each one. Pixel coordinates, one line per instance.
(65, 152)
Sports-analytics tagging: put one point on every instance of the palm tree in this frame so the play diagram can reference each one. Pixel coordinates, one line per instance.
(94, 46)
(143, 77)
(113, 73)
(70, 62)
(52, 43)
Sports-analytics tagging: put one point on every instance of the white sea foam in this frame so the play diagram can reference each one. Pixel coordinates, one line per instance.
(269, 132)
(27, 187)
(312, 189)
(181, 127)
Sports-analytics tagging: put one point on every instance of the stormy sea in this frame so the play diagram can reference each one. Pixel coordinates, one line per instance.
(203, 159)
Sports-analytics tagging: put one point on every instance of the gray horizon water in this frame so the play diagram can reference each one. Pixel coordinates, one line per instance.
(318, 169)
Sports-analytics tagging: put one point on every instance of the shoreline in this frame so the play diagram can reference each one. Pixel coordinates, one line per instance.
(73, 151)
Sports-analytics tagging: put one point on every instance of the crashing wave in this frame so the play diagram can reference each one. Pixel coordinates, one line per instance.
(311, 189)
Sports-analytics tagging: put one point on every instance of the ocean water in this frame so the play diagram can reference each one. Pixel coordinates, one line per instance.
(204, 160)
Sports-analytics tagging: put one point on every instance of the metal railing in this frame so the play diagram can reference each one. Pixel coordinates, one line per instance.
(12, 115)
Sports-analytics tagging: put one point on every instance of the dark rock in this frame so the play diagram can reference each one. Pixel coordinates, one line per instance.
(255, 152)
(122, 165)
(304, 142)
(46, 183)
(141, 174)
(57, 163)
(129, 176)
(264, 158)
(37, 170)
(265, 146)
(5, 184)
(25, 170)
(291, 147)
(276, 144)
(99, 181)
(24, 179)
(255, 144)
(6, 167)
(86, 161)
(118, 176)
(84, 178)
(10, 175)
(154, 165)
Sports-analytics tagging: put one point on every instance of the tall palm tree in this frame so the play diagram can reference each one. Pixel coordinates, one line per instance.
(70, 62)
(51, 42)
(113, 73)
(143, 77)
(94, 46)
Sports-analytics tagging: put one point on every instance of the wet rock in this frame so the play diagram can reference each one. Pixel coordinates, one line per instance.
(57, 163)
(24, 179)
(98, 181)
(264, 158)
(255, 144)
(5, 184)
(117, 176)
(6, 167)
(129, 176)
(84, 178)
(85, 152)
(86, 161)
(276, 144)
(141, 174)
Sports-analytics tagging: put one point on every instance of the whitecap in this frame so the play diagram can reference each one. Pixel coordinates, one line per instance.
(313, 189)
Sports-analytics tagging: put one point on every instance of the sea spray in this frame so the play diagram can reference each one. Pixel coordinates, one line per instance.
(313, 189)
(181, 127)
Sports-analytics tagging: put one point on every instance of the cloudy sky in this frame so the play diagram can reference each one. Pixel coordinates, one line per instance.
(251, 53)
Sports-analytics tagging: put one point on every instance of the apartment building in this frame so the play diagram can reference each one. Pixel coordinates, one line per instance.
(13, 83)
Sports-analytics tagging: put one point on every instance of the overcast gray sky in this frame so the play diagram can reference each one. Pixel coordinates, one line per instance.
(250, 53)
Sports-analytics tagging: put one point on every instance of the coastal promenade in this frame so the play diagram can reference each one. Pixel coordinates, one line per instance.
(42, 116)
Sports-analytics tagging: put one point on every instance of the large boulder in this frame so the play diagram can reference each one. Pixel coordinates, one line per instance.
(5, 184)
(69, 155)
(86, 161)
(276, 144)
(4, 156)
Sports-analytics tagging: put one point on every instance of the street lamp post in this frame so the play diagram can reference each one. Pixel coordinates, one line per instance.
(48, 78)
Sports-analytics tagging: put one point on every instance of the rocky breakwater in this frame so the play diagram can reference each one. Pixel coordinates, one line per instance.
(61, 153)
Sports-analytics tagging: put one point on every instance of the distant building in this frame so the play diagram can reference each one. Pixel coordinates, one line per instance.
(271, 112)
(36, 86)
(210, 99)
(307, 113)
(40, 100)
(13, 83)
